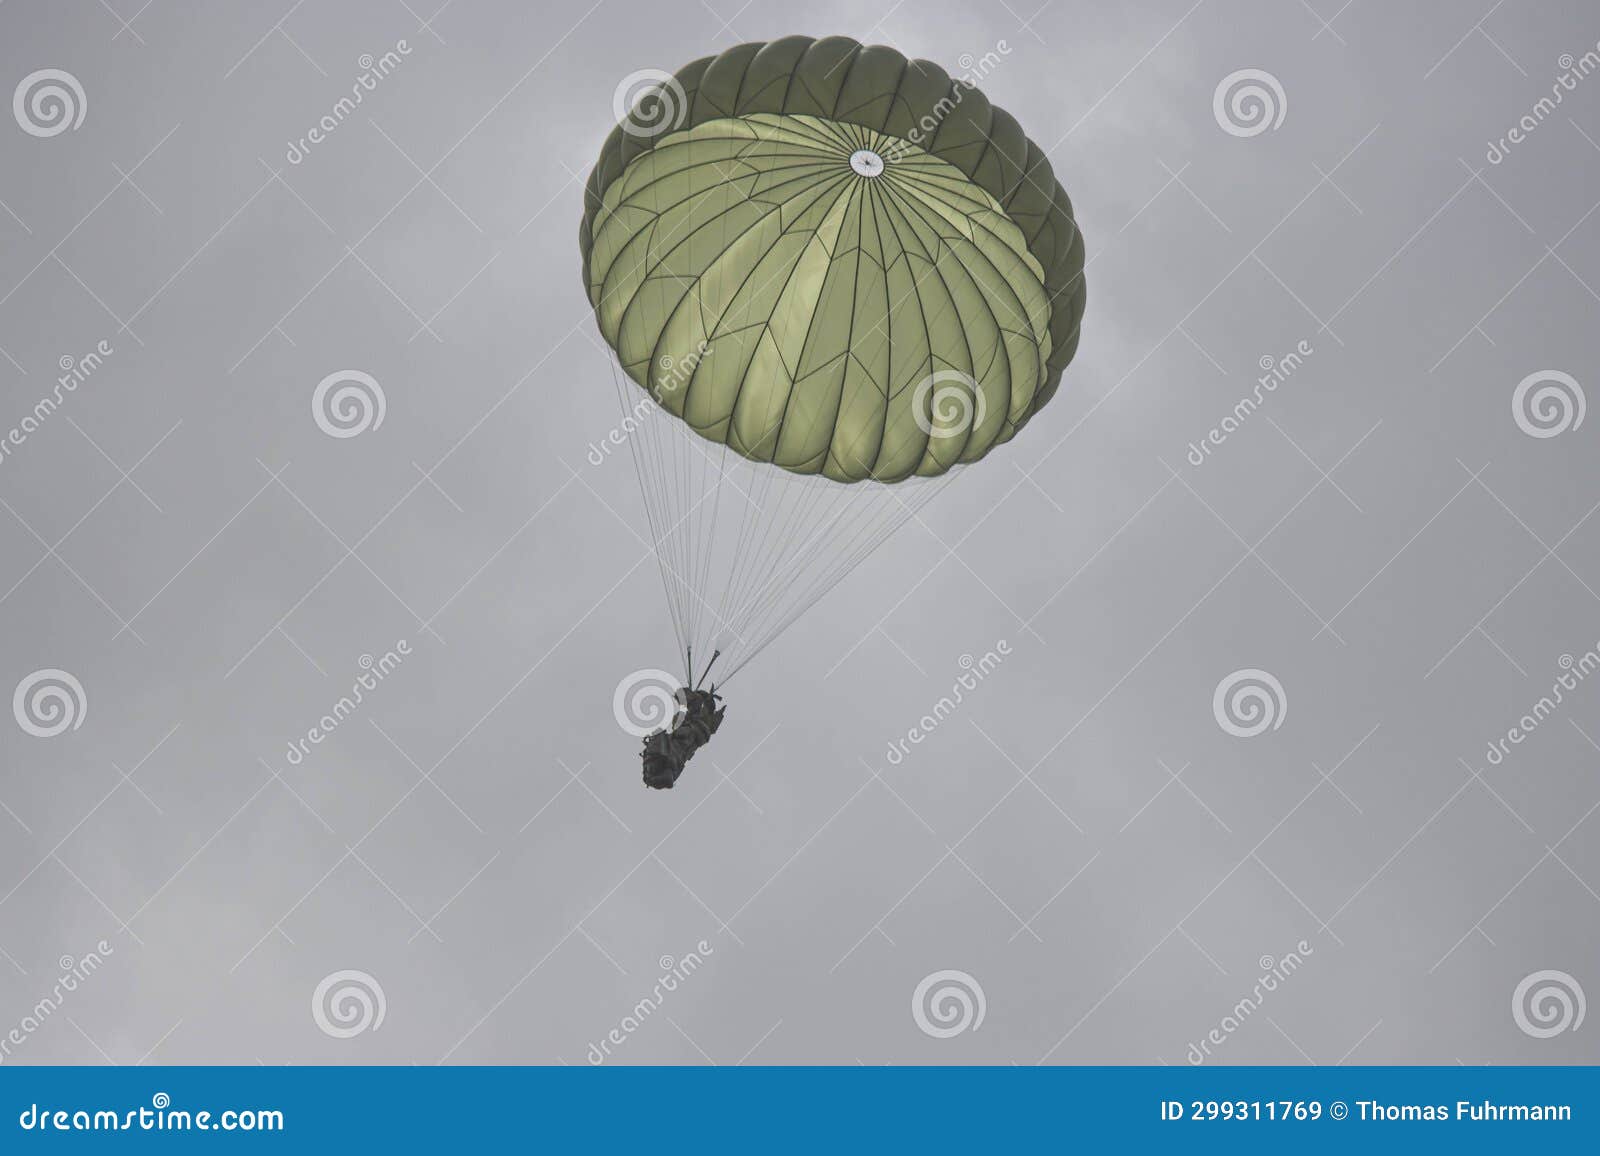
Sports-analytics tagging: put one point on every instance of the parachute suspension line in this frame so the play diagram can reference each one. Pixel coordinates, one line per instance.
(783, 574)
(818, 531)
(652, 516)
(777, 520)
(662, 466)
(714, 656)
(828, 533)
(797, 536)
(746, 523)
(708, 550)
(645, 439)
(842, 569)
(701, 535)
(684, 502)
(663, 479)
(754, 491)
(749, 550)
(697, 462)
(733, 589)
(845, 503)
(695, 483)
(794, 501)
(898, 513)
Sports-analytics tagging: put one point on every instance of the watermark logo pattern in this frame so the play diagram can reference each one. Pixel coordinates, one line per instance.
(49, 102)
(948, 403)
(645, 701)
(1249, 102)
(1548, 403)
(1249, 702)
(347, 1003)
(1548, 1003)
(649, 102)
(48, 703)
(348, 403)
(948, 1003)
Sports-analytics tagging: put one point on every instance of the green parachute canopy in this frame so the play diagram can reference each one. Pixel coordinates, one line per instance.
(825, 258)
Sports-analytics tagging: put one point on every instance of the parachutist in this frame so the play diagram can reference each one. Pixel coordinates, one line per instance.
(666, 751)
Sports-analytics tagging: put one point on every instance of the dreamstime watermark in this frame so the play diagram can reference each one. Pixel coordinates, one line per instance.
(347, 1003)
(48, 703)
(161, 1116)
(974, 671)
(373, 671)
(1572, 71)
(373, 69)
(645, 701)
(1249, 702)
(1576, 670)
(1274, 972)
(348, 403)
(675, 373)
(1548, 403)
(1249, 102)
(947, 1003)
(74, 372)
(49, 102)
(1276, 371)
(673, 973)
(948, 403)
(1547, 1003)
(973, 69)
(73, 973)
(649, 102)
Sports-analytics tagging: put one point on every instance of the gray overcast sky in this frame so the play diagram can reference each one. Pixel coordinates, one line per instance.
(1112, 867)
